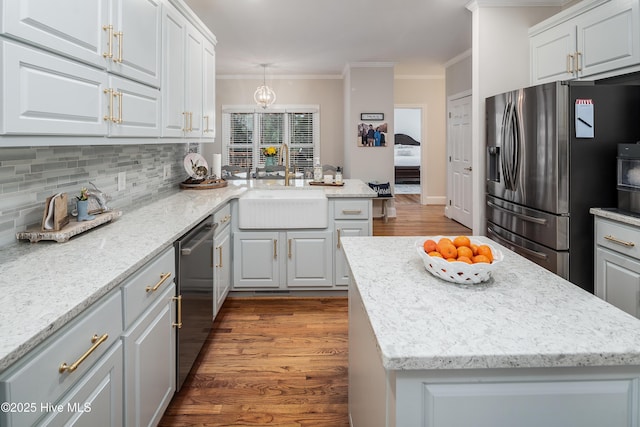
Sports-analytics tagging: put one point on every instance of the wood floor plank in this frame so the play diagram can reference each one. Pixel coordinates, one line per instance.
(284, 361)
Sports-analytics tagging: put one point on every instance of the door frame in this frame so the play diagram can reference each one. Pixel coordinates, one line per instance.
(423, 145)
(450, 99)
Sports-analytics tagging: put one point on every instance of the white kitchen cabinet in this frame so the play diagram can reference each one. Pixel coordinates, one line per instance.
(71, 28)
(189, 59)
(617, 264)
(222, 257)
(43, 93)
(150, 360)
(346, 228)
(136, 39)
(133, 109)
(97, 400)
(309, 259)
(256, 256)
(123, 36)
(590, 38)
(65, 362)
(282, 259)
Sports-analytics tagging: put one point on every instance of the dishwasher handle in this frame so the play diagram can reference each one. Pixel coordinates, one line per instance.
(187, 251)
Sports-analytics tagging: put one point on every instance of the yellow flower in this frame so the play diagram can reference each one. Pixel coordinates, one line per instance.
(270, 151)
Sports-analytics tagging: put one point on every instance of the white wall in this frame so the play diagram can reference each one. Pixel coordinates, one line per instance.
(500, 54)
(408, 121)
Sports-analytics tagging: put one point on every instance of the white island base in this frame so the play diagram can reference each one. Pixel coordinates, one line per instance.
(445, 385)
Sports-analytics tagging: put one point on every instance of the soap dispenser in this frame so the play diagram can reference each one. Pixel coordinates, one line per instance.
(338, 175)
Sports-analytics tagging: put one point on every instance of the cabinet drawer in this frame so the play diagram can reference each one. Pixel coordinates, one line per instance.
(39, 379)
(351, 209)
(619, 237)
(142, 289)
(222, 217)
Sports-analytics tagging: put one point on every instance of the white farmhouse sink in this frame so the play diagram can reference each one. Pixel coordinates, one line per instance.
(283, 209)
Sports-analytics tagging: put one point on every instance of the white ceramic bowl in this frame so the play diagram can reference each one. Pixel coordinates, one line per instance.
(458, 271)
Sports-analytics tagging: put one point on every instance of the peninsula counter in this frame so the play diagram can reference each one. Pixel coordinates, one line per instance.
(526, 348)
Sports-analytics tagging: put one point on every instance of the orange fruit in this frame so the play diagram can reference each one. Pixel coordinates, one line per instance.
(462, 241)
(448, 250)
(435, 253)
(486, 251)
(465, 251)
(481, 258)
(429, 245)
(452, 259)
(474, 248)
(464, 259)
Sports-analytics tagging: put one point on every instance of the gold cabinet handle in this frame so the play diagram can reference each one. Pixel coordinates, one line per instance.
(275, 248)
(206, 121)
(338, 245)
(289, 248)
(178, 324)
(569, 63)
(109, 30)
(219, 248)
(186, 121)
(109, 92)
(190, 121)
(119, 96)
(119, 36)
(578, 61)
(163, 278)
(618, 241)
(352, 211)
(96, 342)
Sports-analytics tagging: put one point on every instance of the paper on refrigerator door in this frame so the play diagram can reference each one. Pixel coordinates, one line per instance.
(584, 118)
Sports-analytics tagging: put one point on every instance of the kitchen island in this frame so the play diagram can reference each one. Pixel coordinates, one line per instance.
(526, 348)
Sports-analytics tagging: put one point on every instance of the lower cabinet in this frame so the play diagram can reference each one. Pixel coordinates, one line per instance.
(346, 228)
(150, 360)
(221, 267)
(617, 264)
(97, 399)
(282, 259)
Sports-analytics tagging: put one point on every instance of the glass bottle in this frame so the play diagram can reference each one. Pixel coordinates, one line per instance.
(317, 170)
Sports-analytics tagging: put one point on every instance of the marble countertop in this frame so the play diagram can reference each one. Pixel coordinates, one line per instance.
(44, 285)
(617, 215)
(524, 316)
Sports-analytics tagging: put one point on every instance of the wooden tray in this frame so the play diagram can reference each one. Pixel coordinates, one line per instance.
(72, 229)
(206, 184)
(324, 184)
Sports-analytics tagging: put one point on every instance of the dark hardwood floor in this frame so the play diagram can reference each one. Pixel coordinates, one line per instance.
(283, 361)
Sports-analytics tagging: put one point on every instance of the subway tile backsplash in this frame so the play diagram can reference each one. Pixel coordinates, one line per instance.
(28, 175)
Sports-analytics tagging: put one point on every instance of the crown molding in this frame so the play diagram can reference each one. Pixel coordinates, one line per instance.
(458, 58)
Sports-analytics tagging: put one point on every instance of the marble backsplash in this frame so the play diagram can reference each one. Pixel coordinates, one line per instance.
(28, 175)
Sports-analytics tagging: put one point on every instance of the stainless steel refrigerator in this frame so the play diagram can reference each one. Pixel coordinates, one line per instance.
(550, 157)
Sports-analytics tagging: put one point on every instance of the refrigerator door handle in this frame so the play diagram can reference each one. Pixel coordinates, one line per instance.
(523, 217)
(511, 245)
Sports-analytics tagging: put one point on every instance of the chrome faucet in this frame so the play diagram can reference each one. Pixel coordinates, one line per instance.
(287, 159)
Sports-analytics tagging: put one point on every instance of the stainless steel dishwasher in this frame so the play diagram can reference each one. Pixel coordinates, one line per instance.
(194, 272)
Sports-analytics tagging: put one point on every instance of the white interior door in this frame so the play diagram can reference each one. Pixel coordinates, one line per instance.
(460, 178)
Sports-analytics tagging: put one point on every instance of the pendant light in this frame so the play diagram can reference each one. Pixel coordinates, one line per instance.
(264, 95)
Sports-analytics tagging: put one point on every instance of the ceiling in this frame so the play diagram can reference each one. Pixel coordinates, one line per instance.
(320, 37)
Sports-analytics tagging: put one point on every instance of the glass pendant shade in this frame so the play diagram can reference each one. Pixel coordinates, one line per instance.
(264, 95)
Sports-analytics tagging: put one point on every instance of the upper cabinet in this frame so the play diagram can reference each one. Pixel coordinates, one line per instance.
(188, 79)
(122, 36)
(105, 68)
(591, 38)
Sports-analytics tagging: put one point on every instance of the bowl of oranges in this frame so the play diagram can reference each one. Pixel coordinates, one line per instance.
(458, 259)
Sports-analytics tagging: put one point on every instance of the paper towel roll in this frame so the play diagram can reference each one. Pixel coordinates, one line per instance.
(216, 166)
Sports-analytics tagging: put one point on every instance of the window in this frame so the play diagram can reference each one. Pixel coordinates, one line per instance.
(245, 132)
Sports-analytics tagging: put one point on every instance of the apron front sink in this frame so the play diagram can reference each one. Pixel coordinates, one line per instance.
(283, 209)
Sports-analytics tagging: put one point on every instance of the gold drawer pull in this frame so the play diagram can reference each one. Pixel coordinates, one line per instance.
(618, 241)
(219, 257)
(119, 36)
(275, 248)
(109, 30)
(290, 248)
(178, 324)
(96, 342)
(352, 211)
(338, 230)
(163, 278)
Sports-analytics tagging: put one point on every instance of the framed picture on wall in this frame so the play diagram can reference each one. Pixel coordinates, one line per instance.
(372, 116)
(371, 134)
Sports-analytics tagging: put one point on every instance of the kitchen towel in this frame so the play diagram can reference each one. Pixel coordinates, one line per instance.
(216, 166)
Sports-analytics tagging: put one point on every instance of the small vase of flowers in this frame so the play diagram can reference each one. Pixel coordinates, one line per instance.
(83, 206)
(270, 154)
